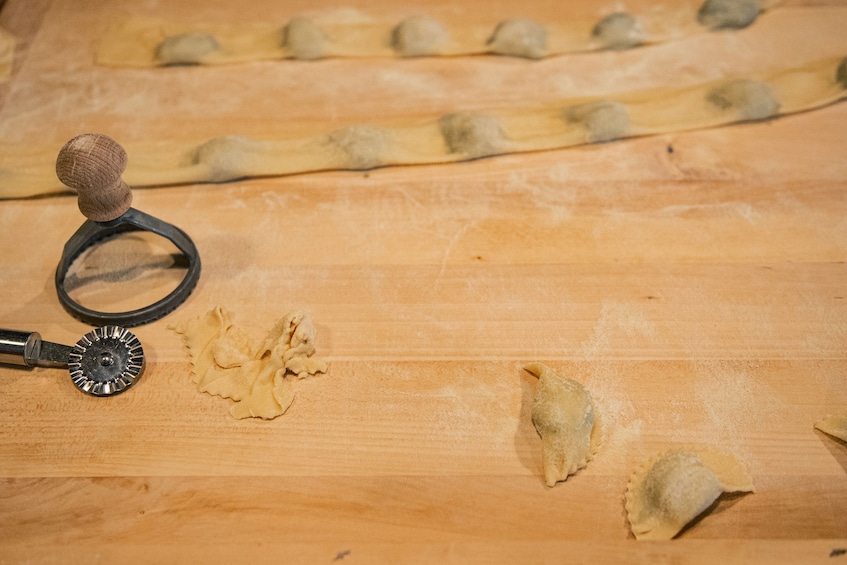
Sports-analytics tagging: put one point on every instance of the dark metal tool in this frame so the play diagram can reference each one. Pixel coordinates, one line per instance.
(92, 165)
(104, 362)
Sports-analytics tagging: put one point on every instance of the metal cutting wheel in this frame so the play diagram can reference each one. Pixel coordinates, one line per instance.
(104, 362)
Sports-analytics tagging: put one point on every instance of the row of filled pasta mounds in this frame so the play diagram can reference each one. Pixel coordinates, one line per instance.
(143, 42)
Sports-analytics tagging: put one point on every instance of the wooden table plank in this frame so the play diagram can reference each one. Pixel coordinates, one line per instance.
(196, 511)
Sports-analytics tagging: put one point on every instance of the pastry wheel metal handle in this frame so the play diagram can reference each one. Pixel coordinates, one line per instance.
(104, 362)
(27, 349)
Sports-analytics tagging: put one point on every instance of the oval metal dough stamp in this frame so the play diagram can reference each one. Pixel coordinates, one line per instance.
(92, 165)
(104, 362)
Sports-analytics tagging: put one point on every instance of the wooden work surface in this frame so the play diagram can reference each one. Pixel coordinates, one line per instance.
(696, 283)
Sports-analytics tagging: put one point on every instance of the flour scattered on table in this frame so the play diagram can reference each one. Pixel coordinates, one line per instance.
(258, 378)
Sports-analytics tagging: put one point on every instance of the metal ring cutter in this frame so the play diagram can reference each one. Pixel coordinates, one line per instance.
(92, 165)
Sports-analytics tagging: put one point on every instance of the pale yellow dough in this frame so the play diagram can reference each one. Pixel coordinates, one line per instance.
(454, 136)
(138, 42)
(836, 426)
(7, 54)
(676, 486)
(565, 418)
(258, 378)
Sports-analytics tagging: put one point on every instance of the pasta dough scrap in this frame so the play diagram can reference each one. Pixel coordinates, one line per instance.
(836, 426)
(565, 418)
(455, 136)
(134, 42)
(258, 379)
(676, 486)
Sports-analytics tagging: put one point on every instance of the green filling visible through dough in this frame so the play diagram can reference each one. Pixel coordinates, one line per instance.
(619, 31)
(603, 120)
(520, 38)
(472, 135)
(418, 36)
(841, 73)
(304, 39)
(748, 99)
(728, 14)
(186, 48)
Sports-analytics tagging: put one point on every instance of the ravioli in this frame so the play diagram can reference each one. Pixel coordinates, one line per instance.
(565, 418)
(676, 486)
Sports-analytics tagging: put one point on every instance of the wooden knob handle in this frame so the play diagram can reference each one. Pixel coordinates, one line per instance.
(92, 164)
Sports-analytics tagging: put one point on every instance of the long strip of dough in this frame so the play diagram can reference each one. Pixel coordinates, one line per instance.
(145, 42)
(457, 136)
(7, 54)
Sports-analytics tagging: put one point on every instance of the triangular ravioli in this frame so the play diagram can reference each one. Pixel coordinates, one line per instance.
(565, 417)
(676, 486)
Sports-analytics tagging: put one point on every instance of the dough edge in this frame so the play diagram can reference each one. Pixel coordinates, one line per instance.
(833, 425)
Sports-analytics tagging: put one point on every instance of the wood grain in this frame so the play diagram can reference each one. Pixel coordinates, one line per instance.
(693, 282)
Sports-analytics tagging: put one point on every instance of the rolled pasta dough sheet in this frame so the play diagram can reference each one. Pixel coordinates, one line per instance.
(456, 136)
(7, 54)
(137, 42)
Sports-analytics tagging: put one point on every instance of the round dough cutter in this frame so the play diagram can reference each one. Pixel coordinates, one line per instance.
(104, 362)
(92, 164)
